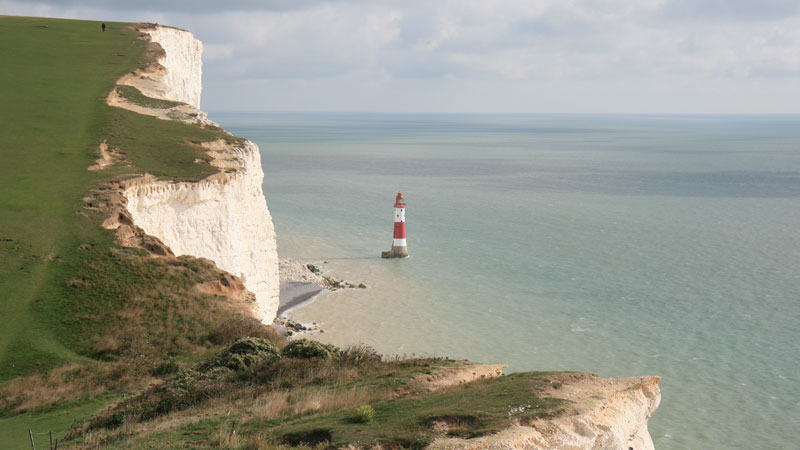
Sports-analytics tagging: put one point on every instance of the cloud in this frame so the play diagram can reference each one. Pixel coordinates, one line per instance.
(212, 52)
(740, 10)
(187, 6)
(321, 42)
(378, 47)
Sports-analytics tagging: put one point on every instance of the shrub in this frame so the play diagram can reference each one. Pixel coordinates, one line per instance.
(360, 355)
(364, 414)
(245, 353)
(189, 388)
(192, 387)
(304, 348)
(239, 327)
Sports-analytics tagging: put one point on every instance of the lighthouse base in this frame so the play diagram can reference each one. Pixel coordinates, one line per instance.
(396, 252)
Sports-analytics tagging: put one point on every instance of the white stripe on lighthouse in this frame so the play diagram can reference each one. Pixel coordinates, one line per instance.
(399, 242)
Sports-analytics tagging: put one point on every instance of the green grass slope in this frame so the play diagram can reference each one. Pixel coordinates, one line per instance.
(53, 81)
(68, 294)
(54, 76)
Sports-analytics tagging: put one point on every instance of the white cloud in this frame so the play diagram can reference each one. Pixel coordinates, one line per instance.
(391, 52)
(212, 52)
(318, 42)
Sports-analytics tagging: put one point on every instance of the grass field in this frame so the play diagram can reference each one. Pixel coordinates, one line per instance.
(58, 420)
(276, 398)
(54, 76)
(53, 82)
(64, 284)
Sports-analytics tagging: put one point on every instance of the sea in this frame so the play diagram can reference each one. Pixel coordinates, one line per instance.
(620, 245)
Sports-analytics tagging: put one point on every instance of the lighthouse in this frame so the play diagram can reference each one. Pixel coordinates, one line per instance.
(399, 249)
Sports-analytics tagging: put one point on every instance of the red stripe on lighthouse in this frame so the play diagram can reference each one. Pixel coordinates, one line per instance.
(399, 230)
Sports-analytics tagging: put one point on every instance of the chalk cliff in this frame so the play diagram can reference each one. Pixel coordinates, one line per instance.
(223, 218)
(600, 414)
(178, 75)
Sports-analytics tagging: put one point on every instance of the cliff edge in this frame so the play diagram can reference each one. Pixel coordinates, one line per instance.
(599, 413)
(223, 217)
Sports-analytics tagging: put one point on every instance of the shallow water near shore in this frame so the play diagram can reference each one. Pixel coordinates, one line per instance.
(618, 245)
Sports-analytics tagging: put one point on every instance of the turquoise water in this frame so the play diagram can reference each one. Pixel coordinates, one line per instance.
(618, 245)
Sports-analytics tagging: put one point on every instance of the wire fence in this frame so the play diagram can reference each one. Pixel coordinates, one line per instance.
(53, 445)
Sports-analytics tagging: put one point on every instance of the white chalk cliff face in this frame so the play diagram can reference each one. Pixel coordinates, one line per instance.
(179, 75)
(223, 218)
(183, 62)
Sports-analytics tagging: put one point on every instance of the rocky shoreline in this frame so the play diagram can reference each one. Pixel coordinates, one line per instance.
(301, 284)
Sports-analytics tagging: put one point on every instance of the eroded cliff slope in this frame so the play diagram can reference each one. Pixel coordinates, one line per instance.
(599, 414)
(224, 217)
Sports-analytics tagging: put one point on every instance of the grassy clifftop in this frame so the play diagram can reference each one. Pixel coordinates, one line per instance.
(54, 80)
(69, 296)
(54, 77)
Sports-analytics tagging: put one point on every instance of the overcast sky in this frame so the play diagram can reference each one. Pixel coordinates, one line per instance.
(575, 56)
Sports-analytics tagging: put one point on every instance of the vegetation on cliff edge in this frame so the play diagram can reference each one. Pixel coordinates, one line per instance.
(252, 395)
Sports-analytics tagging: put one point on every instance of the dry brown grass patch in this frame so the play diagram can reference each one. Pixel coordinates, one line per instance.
(67, 383)
(291, 372)
(285, 403)
(325, 399)
(238, 326)
(271, 405)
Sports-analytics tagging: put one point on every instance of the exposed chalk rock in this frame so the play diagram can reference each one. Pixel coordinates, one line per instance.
(224, 217)
(600, 414)
(293, 271)
(184, 64)
(178, 74)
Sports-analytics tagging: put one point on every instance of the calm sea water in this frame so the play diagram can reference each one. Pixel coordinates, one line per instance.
(618, 245)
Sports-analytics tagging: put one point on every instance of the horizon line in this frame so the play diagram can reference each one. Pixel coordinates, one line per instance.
(498, 113)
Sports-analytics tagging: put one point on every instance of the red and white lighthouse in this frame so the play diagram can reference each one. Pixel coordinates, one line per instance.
(399, 248)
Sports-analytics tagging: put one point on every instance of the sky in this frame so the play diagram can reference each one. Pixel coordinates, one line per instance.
(480, 56)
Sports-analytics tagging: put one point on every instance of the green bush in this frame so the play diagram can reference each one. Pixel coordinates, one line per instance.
(193, 387)
(189, 388)
(237, 327)
(244, 353)
(364, 414)
(306, 349)
(360, 355)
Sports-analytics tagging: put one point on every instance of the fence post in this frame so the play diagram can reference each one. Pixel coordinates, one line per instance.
(51, 440)
(30, 433)
(56, 444)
